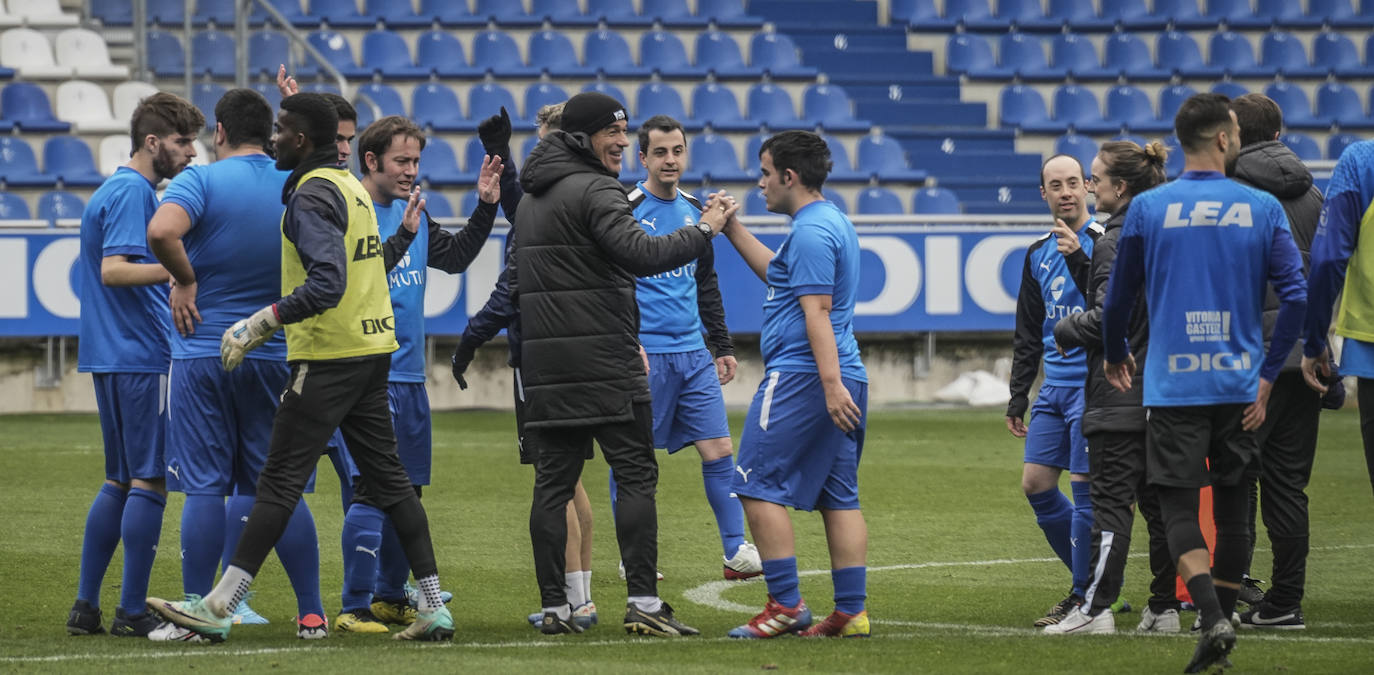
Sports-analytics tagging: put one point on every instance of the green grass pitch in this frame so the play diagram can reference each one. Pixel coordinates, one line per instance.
(958, 568)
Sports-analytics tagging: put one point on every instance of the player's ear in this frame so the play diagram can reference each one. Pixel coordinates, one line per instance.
(370, 161)
(221, 136)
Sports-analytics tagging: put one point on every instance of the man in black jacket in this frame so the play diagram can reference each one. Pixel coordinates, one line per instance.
(1288, 439)
(584, 371)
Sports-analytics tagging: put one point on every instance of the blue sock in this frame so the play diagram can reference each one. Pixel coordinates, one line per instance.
(393, 567)
(1082, 536)
(781, 577)
(715, 476)
(362, 543)
(99, 543)
(299, 552)
(202, 542)
(140, 529)
(236, 510)
(610, 481)
(1054, 515)
(851, 588)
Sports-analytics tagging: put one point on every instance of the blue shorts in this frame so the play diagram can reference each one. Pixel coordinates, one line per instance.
(688, 404)
(1055, 434)
(133, 423)
(791, 452)
(221, 424)
(409, 403)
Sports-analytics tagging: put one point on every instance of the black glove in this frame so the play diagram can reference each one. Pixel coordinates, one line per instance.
(495, 134)
(1334, 398)
(462, 356)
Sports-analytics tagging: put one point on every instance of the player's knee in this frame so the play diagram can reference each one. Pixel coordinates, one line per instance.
(123, 487)
(157, 485)
(714, 449)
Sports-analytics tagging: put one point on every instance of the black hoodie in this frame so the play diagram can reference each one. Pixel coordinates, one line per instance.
(579, 249)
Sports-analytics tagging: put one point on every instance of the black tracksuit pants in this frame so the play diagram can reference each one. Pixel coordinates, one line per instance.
(1366, 401)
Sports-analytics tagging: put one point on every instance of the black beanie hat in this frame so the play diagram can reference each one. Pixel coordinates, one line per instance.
(590, 112)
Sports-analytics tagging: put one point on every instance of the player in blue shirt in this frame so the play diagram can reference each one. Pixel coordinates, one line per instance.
(804, 434)
(375, 565)
(674, 308)
(223, 252)
(1055, 272)
(1207, 375)
(124, 326)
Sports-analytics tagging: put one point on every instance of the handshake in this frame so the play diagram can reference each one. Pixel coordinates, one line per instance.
(720, 211)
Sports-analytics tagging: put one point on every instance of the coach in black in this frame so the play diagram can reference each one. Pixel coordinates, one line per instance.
(584, 373)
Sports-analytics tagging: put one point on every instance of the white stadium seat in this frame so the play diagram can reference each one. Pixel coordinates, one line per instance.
(113, 153)
(126, 98)
(84, 104)
(28, 52)
(42, 13)
(86, 53)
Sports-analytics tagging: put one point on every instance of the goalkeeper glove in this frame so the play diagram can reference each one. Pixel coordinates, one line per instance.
(495, 134)
(462, 356)
(246, 335)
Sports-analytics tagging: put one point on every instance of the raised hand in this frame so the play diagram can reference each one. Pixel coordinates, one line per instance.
(489, 179)
(1065, 237)
(285, 83)
(495, 132)
(415, 204)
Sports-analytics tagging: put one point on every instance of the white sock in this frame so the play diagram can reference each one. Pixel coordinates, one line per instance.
(230, 590)
(587, 584)
(430, 598)
(572, 586)
(646, 603)
(563, 611)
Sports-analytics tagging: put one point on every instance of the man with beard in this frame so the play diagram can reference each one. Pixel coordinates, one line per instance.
(124, 327)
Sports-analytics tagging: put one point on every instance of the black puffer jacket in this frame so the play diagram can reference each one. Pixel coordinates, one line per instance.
(1106, 409)
(580, 250)
(1272, 167)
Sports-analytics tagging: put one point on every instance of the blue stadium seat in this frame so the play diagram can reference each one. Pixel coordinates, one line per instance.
(1173, 162)
(1333, 52)
(1231, 54)
(321, 87)
(1074, 55)
(1282, 53)
(219, 11)
(671, 13)
(881, 155)
(450, 14)
(751, 153)
(267, 50)
(1297, 112)
(473, 154)
(1022, 107)
(551, 52)
(1337, 143)
(608, 89)
(658, 98)
(935, 201)
(836, 198)
(841, 170)
(166, 58)
(1077, 15)
(505, 13)
(19, 166)
(336, 50)
(469, 202)
(828, 106)
(385, 53)
(496, 51)
(608, 54)
(441, 53)
(1339, 104)
(1302, 145)
(436, 105)
(1080, 147)
(12, 206)
(1178, 54)
(269, 91)
(1133, 138)
(727, 14)
(396, 14)
(718, 54)
(717, 107)
(438, 164)
(1019, 55)
(771, 105)
(617, 13)
(1285, 13)
(117, 12)
(967, 53)
(540, 95)
(437, 205)
(1183, 14)
(1338, 13)
(1230, 89)
(920, 14)
(1235, 13)
(879, 202)
(713, 156)
(776, 54)
(340, 14)
(1131, 15)
(171, 13)
(70, 160)
(27, 107)
(1130, 107)
(56, 205)
(754, 203)
(385, 96)
(1127, 55)
(487, 99)
(528, 145)
(560, 13)
(663, 53)
(1077, 109)
(1171, 98)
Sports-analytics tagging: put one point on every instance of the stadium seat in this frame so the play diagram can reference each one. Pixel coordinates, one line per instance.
(1019, 55)
(878, 201)
(1130, 107)
(397, 13)
(437, 205)
(450, 14)
(1337, 143)
(1173, 162)
(19, 166)
(540, 95)
(85, 52)
(385, 54)
(84, 104)
(473, 154)
(56, 205)
(1182, 14)
(1339, 104)
(608, 89)
(881, 155)
(1282, 53)
(671, 13)
(113, 152)
(339, 14)
(506, 14)
(289, 9)
(1235, 13)
(221, 12)
(836, 198)
(777, 55)
(718, 54)
(713, 157)
(1285, 13)
(1127, 55)
(1230, 89)
(436, 105)
(841, 171)
(1133, 138)
(617, 13)
(716, 106)
(727, 14)
(12, 206)
(42, 13)
(935, 201)
(336, 50)
(166, 58)
(438, 164)
(966, 53)
(560, 13)
(26, 106)
(1297, 112)
(1178, 54)
(755, 204)
(1080, 147)
(919, 14)
(469, 201)
(205, 95)
(442, 54)
(1021, 107)
(1171, 98)
(658, 98)
(1333, 52)
(1131, 15)
(487, 99)
(1302, 145)
(115, 12)
(1338, 13)
(772, 106)
(495, 52)
(828, 106)
(70, 160)
(528, 145)
(1232, 55)
(267, 50)
(28, 52)
(127, 95)
(212, 53)
(663, 53)
(384, 96)
(1077, 15)
(269, 91)
(1074, 55)
(551, 52)
(1076, 108)
(608, 54)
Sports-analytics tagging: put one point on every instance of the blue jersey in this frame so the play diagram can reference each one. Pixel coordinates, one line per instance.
(820, 256)
(1203, 248)
(1349, 196)
(669, 321)
(1049, 293)
(407, 281)
(123, 329)
(234, 245)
